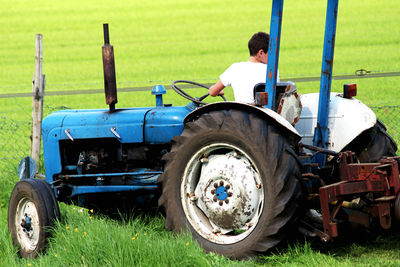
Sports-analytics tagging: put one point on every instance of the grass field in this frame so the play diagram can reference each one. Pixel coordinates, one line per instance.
(156, 42)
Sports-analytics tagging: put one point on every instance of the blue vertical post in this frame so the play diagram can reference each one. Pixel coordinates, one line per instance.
(273, 51)
(321, 134)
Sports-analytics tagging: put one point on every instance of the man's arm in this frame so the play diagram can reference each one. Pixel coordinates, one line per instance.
(217, 89)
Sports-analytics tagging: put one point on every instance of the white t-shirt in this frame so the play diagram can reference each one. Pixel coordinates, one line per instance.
(243, 76)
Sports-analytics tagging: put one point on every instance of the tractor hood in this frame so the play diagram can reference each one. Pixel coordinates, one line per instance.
(148, 125)
(127, 125)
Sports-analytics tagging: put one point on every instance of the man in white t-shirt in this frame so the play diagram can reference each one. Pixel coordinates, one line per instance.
(243, 76)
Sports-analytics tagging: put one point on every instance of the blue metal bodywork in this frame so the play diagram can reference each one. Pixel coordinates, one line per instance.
(321, 133)
(273, 51)
(150, 125)
(158, 91)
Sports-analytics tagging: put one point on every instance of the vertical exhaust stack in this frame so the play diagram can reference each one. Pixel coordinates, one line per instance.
(110, 85)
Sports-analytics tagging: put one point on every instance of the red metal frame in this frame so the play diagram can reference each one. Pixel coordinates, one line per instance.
(357, 179)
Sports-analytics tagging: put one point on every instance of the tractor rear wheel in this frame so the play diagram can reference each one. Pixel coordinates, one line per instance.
(373, 144)
(231, 178)
(32, 210)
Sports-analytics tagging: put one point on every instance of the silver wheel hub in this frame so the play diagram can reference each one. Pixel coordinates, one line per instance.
(222, 194)
(27, 225)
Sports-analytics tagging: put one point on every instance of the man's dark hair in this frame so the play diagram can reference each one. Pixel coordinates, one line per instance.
(258, 41)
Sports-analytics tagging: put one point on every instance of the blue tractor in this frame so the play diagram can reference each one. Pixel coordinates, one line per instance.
(239, 177)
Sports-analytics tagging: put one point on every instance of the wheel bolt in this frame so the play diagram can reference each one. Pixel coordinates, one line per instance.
(221, 202)
(216, 231)
(221, 183)
(213, 191)
(230, 194)
(215, 185)
(227, 186)
(249, 225)
(215, 199)
(226, 201)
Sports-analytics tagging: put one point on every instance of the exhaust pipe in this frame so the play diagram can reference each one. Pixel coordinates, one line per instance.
(110, 85)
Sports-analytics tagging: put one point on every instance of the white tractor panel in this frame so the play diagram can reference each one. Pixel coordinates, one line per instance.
(347, 119)
(281, 120)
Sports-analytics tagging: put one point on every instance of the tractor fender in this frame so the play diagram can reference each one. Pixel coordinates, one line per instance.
(348, 118)
(267, 114)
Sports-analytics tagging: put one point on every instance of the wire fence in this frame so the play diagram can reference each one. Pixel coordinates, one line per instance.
(390, 116)
(15, 134)
(132, 86)
(14, 143)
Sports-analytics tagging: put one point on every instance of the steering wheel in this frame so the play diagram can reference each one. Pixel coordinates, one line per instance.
(197, 100)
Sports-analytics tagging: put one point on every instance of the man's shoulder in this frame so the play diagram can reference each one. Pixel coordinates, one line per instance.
(239, 65)
(248, 64)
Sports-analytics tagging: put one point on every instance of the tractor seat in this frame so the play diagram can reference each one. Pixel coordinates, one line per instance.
(287, 100)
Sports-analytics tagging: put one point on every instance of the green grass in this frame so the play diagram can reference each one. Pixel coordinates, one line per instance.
(84, 239)
(88, 239)
(156, 42)
(197, 40)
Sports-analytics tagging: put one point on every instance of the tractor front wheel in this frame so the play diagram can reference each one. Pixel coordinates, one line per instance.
(231, 178)
(31, 211)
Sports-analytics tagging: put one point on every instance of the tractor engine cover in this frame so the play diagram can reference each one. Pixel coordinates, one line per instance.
(76, 128)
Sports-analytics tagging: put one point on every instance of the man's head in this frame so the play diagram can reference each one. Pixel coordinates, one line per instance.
(258, 41)
(258, 46)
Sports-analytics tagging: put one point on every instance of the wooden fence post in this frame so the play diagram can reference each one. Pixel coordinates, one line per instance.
(37, 100)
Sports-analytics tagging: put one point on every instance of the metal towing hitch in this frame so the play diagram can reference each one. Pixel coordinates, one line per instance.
(365, 191)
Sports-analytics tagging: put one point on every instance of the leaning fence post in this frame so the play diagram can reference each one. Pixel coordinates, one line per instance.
(37, 100)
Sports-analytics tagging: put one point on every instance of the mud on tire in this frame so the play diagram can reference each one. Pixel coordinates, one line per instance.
(231, 179)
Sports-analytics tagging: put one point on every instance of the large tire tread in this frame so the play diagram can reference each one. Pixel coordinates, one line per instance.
(267, 143)
(373, 144)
